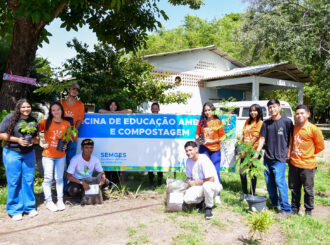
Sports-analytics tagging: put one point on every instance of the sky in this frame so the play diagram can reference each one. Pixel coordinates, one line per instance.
(57, 51)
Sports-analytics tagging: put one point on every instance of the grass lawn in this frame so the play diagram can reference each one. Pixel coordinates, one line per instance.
(297, 229)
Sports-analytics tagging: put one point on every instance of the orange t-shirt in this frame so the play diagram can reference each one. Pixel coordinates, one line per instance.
(252, 130)
(307, 142)
(213, 130)
(76, 111)
(52, 135)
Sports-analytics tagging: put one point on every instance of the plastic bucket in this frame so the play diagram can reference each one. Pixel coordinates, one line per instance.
(256, 202)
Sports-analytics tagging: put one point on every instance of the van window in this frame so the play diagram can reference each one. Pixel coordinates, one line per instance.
(245, 112)
(286, 112)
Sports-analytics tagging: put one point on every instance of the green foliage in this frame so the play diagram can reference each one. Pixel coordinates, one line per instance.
(69, 134)
(112, 21)
(277, 30)
(111, 74)
(260, 222)
(27, 128)
(196, 32)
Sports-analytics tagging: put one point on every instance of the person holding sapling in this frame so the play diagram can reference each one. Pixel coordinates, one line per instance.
(209, 134)
(74, 111)
(19, 160)
(52, 157)
(307, 141)
(250, 140)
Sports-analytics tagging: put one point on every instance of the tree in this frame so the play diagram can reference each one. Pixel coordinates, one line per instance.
(196, 32)
(122, 23)
(295, 30)
(112, 74)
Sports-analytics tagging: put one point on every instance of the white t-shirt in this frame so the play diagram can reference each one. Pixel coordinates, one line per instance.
(80, 168)
(202, 169)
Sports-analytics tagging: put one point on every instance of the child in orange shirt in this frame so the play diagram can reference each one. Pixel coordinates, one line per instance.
(53, 127)
(209, 135)
(251, 131)
(307, 141)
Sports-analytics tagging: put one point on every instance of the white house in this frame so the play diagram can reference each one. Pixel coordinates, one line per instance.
(210, 74)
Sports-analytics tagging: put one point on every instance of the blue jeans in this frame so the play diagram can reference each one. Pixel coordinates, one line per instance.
(20, 179)
(276, 185)
(71, 151)
(48, 165)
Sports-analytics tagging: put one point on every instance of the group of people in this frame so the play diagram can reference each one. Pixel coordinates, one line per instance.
(283, 143)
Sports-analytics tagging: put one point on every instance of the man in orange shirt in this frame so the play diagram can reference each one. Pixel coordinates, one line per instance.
(74, 111)
(307, 141)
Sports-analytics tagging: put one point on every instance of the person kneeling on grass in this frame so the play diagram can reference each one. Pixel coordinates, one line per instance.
(81, 168)
(202, 179)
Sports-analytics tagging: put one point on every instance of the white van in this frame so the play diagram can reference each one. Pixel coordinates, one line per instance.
(241, 109)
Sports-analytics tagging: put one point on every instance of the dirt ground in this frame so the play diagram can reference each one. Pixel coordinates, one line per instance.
(140, 220)
(115, 221)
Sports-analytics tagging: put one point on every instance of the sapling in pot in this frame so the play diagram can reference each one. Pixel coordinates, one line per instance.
(68, 135)
(27, 129)
(253, 168)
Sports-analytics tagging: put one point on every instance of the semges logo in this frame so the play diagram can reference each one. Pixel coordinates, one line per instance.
(113, 154)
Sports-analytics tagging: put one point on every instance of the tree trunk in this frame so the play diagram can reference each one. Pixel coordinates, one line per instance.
(20, 60)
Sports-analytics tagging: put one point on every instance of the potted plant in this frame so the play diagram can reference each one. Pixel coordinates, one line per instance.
(253, 167)
(68, 135)
(27, 129)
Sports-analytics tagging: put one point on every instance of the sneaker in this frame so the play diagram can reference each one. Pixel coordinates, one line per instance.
(283, 215)
(200, 207)
(208, 213)
(295, 211)
(308, 213)
(217, 200)
(60, 205)
(33, 213)
(51, 206)
(17, 217)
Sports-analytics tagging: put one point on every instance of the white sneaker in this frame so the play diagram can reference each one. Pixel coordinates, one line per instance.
(17, 217)
(60, 205)
(217, 200)
(51, 206)
(33, 213)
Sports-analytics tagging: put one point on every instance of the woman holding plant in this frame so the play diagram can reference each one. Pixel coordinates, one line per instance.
(250, 138)
(209, 134)
(53, 157)
(19, 159)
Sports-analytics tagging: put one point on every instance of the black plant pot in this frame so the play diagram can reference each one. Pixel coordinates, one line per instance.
(60, 145)
(28, 138)
(256, 202)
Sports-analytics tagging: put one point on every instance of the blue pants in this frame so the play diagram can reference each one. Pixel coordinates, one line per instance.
(20, 179)
(71, 151)
(276, 185)
(215, 157)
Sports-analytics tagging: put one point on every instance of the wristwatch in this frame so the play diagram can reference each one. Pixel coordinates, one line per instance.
(81, 182)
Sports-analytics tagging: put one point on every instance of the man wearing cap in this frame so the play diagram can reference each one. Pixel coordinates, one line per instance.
(74, 111)
(81, 168)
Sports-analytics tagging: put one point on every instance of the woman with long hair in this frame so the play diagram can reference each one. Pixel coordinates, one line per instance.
(113, 107)
(19, 160)
(52, 159)
(251, 136)
(209, 134)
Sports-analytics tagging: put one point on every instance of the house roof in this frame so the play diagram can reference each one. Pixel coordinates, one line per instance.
(283, 70)
(212, 48)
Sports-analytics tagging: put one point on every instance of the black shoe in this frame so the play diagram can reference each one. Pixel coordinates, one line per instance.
(200, 207)
(308, 213)
(208, 213)
(295, 211)
(185, 207)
